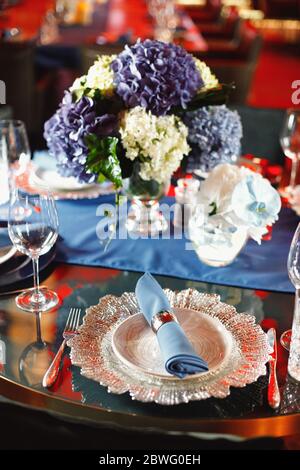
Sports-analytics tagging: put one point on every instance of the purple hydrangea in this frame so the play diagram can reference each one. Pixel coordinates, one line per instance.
(66, 131)
(156, 76)
(214, 135)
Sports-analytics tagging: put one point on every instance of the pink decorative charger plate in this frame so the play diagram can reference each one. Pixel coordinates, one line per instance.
(116, 348)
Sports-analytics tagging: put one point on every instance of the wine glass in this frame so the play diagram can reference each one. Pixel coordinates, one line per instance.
(294, 274)
(4, 177)
(293, 266)
(14, 145)
(33, 229)
(14, 158)
(290, 143)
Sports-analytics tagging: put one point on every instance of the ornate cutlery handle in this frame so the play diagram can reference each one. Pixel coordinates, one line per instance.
(52, 373)
(273, 389)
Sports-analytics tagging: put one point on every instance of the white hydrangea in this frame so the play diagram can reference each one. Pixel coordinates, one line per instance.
(99, 77)
(209, 79)
(78, 87)
(159, 142)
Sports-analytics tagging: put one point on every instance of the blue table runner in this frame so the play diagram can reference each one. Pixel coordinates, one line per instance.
(257, 267)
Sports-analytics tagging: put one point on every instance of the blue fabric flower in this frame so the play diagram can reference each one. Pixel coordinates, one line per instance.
(214, 135)
(255, 201)
(65, 134)
(156, 76)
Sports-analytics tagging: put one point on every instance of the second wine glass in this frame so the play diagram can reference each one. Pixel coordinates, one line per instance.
(33, 229)
(290, 143)
(14, 142)
(291, 338)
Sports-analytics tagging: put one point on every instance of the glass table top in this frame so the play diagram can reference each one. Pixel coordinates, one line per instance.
(30, 341)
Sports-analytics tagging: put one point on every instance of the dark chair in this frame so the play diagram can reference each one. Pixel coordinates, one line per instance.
(261, 130)
(54, 57)
(24, 94)
(17, 71)
(238, 47)
(281, 9)
(209, 12)
(235, 61)
(5, 112)
(228, 27)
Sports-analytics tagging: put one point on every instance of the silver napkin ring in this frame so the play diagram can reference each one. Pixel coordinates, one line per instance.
(160, 319)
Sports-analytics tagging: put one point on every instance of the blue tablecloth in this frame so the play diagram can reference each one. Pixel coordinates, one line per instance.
(257, 267)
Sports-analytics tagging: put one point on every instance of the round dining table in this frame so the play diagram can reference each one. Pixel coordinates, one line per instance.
(84, 270)
(29, 341)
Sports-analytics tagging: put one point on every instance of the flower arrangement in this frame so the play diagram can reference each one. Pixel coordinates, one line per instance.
(235, 197)
(129, 108)
(215, 134)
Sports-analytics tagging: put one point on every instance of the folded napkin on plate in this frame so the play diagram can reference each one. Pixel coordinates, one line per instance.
(178, 354)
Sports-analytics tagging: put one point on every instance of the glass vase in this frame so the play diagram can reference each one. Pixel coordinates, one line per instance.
(144, 216)
(217, 246)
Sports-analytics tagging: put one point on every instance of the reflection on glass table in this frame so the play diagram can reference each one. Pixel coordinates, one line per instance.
(35, 359)
(82, 287)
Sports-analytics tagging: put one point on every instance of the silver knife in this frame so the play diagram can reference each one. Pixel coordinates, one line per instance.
(273, 390)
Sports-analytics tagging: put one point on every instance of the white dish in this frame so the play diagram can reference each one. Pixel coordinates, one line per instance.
(34, 181)
(136, 345)
(51, 179)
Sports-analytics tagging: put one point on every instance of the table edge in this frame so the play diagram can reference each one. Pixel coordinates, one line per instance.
(274, 426)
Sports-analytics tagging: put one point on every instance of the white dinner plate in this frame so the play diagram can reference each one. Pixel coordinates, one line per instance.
(135, 344)
(50, 178)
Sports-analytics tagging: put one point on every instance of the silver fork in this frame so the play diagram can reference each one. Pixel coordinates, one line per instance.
(70, 330)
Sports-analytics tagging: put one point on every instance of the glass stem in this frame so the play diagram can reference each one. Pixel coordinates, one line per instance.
(296, 320)
(36, 277)
(294, 171)
(38, 328)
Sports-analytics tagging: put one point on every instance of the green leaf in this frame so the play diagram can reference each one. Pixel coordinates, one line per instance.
(102, 159)
(97, 94)
(214, 208)
(214, 96)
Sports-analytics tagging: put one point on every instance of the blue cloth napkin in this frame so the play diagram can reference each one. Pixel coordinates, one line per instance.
(178, 354)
